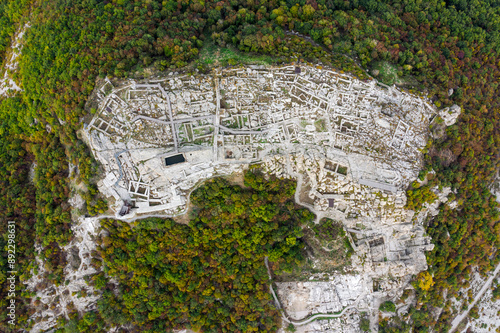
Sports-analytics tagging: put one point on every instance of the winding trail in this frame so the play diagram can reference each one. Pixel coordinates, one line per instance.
(298, 190)
(458, 319)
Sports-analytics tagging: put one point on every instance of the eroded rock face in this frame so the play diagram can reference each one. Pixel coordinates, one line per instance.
(488, 306)
(74, 293)
(8, 84)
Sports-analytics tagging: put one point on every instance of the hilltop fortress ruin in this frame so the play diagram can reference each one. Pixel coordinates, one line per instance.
(354, 146)
(158, 138)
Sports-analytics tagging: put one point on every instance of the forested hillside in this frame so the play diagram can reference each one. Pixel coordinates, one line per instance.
(431, 46)
(208, 275)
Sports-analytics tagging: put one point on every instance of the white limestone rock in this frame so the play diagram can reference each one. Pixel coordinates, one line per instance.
(450, 115)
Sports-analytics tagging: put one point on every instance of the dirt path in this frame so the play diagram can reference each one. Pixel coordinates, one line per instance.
(486, 286)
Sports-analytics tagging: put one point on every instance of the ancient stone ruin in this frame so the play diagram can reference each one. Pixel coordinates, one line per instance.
(353, 146)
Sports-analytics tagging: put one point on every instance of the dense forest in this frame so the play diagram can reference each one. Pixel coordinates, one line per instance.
(432, 46)
(209, 275)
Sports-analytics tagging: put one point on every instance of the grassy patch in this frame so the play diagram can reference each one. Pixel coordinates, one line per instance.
(364, 323)
(387, 73)
(342, 170)
(212, 54)
(320, 125)
(330, 234)
(387, 306)
(327, 250)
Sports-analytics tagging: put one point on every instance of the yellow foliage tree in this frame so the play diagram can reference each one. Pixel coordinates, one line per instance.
(425, 281)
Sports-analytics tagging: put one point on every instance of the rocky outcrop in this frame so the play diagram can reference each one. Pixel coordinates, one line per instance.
(450, 115)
